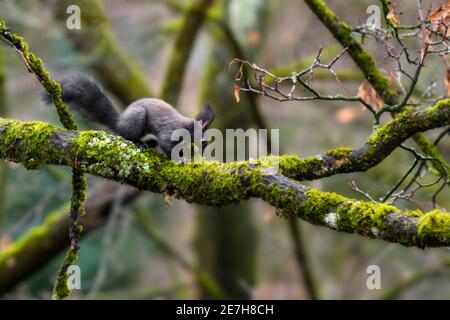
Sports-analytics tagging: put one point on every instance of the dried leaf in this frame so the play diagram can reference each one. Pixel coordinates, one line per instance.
(447, 81)
(368, 94)
(237, 91)
(439, 16)
(436, 15)
(393, 16)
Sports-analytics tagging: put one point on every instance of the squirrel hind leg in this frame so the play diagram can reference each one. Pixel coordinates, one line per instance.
(132, 124)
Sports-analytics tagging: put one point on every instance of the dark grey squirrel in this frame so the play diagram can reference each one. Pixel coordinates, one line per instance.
(141, 119)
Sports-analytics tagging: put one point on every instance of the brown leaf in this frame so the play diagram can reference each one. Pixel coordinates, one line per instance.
(436, 15)
(368, 94)
(393, 16)
(447, 81)
(440, 15)
(237, 91)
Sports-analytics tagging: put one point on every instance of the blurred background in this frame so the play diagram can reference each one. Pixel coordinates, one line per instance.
(149, 247)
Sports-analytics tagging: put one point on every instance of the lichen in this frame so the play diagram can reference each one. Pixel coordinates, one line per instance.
(331, 220)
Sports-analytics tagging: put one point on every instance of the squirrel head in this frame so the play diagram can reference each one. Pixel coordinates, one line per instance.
(195, 127)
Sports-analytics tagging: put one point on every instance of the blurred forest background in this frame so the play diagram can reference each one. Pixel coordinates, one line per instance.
(162, 248)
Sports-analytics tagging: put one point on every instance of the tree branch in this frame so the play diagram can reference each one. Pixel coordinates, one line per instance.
(36, 144)
(367, 64)
(42, 243)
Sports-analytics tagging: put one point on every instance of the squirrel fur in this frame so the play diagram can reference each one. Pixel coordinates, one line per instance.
(142, 118)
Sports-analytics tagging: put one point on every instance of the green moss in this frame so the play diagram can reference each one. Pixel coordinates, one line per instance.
(434, 227)
(318, 204)
(340, 152)
(344, 214)
(363, 217)
(61, 290)
(25, 141)
(37, 236)
(300, 169)
(413, 213)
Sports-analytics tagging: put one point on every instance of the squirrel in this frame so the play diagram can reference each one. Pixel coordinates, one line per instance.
(144, 118)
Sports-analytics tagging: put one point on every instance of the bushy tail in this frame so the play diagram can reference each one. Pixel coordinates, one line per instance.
(86, 97)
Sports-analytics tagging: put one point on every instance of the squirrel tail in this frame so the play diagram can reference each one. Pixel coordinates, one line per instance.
(84, 95)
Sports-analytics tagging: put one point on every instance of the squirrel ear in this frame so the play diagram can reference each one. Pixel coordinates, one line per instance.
(206, 116)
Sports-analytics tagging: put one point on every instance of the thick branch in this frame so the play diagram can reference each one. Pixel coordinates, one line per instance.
(382, 143)
(35, 144)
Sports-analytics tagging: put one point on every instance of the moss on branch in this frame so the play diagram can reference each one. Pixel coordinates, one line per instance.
(35, 144)
(215, 184)
(385, 140)
(34, 248)
(36, 66)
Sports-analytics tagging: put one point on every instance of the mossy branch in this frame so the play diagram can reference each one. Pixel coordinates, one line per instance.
(36, 66)
(42, 243)
(377, 147)
(36, 144)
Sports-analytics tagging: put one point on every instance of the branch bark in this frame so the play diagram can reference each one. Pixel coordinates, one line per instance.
(35, 144)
